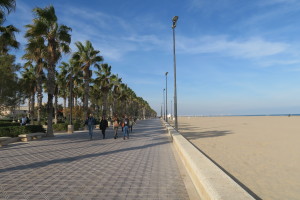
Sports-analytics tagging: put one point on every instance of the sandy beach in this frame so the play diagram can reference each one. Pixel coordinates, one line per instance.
(262, 152)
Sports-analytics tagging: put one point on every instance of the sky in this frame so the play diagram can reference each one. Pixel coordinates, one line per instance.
(233, 57)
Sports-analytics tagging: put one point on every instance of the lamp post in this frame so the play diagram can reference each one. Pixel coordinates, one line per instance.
(171, 112)
(166, 97)
(164, 103)
(174, 20)
(71, 126)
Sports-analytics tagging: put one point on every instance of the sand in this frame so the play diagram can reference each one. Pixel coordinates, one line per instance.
(263, 152)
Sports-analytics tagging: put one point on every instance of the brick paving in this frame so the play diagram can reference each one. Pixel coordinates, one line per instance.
(70, 166)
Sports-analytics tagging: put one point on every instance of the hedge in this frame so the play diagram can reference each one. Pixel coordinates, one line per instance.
(5, 124)
(5, 120)
(14, 131)
(60, 127)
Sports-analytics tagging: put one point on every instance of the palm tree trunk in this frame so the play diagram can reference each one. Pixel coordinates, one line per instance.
(51, 88)
(29, 104)
(113, 107)
(86, 94)
(65, 106)
(39, 97)
(32, 107)
(104, 104)
(55, 108)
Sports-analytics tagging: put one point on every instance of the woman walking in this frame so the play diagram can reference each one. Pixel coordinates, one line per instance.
(126, 131)
(116, 126)
(130, 124)
(103, 126)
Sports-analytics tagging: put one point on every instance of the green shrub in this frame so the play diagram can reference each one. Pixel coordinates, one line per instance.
(60, 127)
(34, 128)
(14, 131)
(5, 120)
(5, 124)
(78, 124)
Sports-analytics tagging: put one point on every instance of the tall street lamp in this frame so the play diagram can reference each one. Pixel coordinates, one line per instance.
(164, 103)
(174, 20)
(166, 97)
(71, 126)
(171, 112)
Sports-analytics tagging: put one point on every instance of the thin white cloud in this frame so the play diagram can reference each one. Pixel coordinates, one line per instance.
(246, 48)
(282, 62)
(112, 35)
(273, 2)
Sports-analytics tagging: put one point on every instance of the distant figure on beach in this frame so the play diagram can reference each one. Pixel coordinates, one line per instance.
(116, 126)
(90, 122)
(125, 130)
(103, 126)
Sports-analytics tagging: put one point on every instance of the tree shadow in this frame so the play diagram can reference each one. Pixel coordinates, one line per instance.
(205, 134)
(76, 158)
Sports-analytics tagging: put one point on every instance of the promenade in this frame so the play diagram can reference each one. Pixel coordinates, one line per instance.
(70, 166)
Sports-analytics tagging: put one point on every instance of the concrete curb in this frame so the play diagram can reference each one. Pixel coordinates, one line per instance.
(210, 181)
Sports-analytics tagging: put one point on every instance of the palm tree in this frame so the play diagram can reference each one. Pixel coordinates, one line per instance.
(7, 33)
(57, 40)
(96, 97)
(115, 93)
(105, 82)
(86, 56)
(6, 6)
(69, 75)
(63, 80)
(34, 52)
(28, 83)
(8, 39)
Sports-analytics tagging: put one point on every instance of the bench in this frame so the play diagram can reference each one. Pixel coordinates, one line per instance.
(31, 136)
(4, 141)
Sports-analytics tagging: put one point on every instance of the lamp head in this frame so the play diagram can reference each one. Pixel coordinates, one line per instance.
(167, 73)
(174, 20)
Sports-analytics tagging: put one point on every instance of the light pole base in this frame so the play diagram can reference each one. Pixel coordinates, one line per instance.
(70, 128)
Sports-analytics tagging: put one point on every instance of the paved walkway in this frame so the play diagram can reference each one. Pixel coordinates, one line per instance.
(70, 166)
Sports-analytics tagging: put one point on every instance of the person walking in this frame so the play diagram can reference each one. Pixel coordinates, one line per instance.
(130, 124)
(116, 126)
(125, 130)
(122, 123)
(90, 122)
(23, 120)
(103, 126)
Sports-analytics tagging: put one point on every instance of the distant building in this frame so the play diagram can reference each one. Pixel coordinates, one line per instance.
(20, 110)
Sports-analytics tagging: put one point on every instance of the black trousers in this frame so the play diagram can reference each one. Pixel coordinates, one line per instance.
(103, 133)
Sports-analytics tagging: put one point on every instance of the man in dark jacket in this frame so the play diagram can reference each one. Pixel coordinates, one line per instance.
(103, 126)
(90, 122)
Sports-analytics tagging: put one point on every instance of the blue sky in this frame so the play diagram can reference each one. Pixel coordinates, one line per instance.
(233, 56)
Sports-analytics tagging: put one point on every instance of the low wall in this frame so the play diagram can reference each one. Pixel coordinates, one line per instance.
(210, 181)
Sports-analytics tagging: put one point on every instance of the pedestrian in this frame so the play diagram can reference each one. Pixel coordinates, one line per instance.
(116, 126)
(103, 126)
(122, 123)
(90, 122)
(130, 124)
(126, 131)
(23, 120)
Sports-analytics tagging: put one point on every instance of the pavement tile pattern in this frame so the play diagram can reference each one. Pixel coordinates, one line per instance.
(70, 166)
